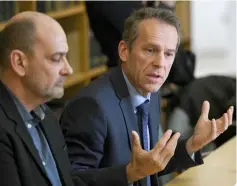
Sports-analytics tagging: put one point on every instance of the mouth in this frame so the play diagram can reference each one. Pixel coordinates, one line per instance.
(155, 78)
(60, 83)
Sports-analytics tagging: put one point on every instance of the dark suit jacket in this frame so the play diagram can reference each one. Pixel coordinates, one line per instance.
(20, 163)
(98, 123)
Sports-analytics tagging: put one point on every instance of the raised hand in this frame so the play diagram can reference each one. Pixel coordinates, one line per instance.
(144, 163)
(207, 130)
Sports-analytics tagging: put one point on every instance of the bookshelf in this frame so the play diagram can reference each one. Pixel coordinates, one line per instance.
(72, 16)
(67, 12)
(182, 10)
(84, 76)
(2, 25)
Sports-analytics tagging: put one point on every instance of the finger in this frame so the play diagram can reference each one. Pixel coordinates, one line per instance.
(205, 110)
(220, 124)
(136, 144)
(213, 130)
(162, 142)
(225, 122)
(170, 147)
(230, 115)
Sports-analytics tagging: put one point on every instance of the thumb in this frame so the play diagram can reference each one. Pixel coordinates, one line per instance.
(205, 110)
(136, 144)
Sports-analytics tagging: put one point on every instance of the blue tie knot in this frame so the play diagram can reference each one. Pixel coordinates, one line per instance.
(143, 108)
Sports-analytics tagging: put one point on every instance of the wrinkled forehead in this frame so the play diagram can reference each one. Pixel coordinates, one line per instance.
(152, 30)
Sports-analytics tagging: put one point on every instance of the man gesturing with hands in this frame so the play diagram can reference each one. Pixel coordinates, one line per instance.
(115, 120)
(156, 160)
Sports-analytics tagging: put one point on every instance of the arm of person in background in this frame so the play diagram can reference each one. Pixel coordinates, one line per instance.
(115, 12)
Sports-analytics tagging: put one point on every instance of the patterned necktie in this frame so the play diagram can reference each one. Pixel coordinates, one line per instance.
(142, 111)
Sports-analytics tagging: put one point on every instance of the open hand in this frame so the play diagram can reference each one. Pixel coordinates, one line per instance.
(144, 163)
(207, 130)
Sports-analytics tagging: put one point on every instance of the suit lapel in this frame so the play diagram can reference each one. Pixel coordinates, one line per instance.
(12, 113)
(129, 117)
(154, 117)
(125, 101)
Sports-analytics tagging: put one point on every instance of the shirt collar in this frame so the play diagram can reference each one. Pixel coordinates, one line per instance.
(38, 113)
(136, 98)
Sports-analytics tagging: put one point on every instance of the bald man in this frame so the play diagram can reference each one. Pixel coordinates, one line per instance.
(33, 65)
(33, 62)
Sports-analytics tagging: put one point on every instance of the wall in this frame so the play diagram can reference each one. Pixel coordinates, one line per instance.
(213, 34)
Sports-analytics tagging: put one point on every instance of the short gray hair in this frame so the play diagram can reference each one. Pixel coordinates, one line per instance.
(17, 35)
(132, 22)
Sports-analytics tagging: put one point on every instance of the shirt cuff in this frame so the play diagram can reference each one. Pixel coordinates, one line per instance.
(192, 156)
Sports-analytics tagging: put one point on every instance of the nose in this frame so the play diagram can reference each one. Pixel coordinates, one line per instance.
(67, 70)
(159, 60)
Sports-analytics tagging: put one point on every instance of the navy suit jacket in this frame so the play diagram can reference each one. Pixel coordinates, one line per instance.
(98, 123)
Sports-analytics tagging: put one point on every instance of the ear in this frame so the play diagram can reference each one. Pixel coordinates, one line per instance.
(18, 62)
(123, 51)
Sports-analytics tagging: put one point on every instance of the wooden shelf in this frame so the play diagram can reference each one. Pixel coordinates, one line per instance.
(74, 20)
(2, 25)
(61, 13)
(83, 76)
(67, 12)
